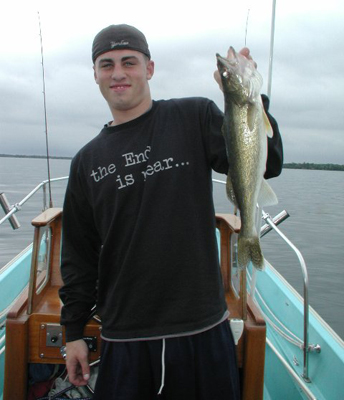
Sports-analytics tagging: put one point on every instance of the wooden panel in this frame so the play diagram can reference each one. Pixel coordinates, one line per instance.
(54, 262)
(233, 221)
(46, 312)
(56, 279)
(254, 311)
(254, 360)
(47, 217)
(50, 303)
(16, 358)
(19, 306)
(251, 347)
(39, 352)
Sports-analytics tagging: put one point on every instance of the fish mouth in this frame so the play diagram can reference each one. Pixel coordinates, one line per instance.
(222, 66)
(221, 60)
(234, 81)
(229, 64)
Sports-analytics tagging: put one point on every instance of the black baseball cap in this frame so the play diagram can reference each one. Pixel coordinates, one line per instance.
(119, 37)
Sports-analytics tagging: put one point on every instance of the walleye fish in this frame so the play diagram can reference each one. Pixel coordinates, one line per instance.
(245, 129)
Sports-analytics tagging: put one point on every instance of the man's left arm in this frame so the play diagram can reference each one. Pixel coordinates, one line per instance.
(274, 161)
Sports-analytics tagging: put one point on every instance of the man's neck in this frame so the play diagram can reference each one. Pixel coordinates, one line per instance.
(123, 116)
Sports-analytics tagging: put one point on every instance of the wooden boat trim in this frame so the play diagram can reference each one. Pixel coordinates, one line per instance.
(27, 341)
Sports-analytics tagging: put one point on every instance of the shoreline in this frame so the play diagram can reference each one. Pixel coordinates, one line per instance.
(292, 165)
(35, 156)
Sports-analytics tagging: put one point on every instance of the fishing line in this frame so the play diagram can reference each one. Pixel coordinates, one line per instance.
(248, 13)
(45, 114)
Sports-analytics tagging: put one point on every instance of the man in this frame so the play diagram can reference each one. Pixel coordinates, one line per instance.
(139, 238)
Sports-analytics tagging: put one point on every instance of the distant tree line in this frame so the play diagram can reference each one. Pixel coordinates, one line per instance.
(326, 167)
(293, 165)
(33, 156)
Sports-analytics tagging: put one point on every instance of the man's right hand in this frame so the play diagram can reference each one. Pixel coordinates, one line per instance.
(77, 362)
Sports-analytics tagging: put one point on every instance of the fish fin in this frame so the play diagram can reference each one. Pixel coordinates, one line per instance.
(230, 191)
(249, 250)
(267, 196)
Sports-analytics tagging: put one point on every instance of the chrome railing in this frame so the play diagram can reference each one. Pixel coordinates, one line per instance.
(11, 210)
(306, 347)
(271, 224)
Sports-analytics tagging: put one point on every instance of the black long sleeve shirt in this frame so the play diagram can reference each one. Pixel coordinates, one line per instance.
(139, 224)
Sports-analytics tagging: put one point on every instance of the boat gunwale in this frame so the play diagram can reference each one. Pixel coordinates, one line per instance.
(10, 263)
(313, 312)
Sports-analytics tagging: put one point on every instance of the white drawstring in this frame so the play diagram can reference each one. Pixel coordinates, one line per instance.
(162, 366)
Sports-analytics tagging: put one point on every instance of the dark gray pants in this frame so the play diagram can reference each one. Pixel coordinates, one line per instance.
(196, 367)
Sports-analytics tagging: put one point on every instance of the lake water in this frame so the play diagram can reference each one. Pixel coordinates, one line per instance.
(314, 200)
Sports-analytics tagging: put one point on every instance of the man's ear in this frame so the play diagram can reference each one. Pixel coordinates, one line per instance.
(150, 69)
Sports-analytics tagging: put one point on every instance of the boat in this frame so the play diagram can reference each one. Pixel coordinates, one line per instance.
(285, 350)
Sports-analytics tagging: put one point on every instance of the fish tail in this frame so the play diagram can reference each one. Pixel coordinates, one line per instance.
(249, 250)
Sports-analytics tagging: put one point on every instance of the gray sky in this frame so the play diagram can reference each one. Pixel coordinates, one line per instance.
(184, 36)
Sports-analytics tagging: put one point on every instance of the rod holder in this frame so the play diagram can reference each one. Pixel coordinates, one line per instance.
(8, 209)
(279, 218)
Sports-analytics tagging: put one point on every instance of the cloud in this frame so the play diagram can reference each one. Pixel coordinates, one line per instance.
(307, 80)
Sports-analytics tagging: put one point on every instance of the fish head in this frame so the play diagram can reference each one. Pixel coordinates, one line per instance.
(239, 76)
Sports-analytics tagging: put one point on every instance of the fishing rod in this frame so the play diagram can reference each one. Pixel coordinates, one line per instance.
(272, 39)
(45, 114)
(7, 208)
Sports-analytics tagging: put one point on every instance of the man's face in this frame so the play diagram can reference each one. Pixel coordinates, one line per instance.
(122, 76)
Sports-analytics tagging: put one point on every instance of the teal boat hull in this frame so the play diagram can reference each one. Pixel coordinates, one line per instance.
(14, 278)
(279, 303)
(326, 368)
